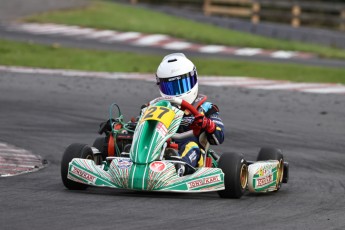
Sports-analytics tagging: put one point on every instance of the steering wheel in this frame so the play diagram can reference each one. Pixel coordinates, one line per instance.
(184, 105)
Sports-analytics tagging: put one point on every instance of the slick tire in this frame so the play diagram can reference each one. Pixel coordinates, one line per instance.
(74, 151)
(235, 170)
(268, 153)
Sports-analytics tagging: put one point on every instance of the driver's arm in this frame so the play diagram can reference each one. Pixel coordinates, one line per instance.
(210, 122)
(217, 137)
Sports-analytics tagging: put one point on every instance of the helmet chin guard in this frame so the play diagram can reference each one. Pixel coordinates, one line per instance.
(177, 76)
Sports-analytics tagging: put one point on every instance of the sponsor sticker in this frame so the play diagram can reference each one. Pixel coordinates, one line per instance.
(83, 174)
(161, 129)
(203, 181)
(162, 114)
(198, 99)
(124, 163)
(187, 120)
(192, 156)
(158, 166)
(263, 171)
(260, 182)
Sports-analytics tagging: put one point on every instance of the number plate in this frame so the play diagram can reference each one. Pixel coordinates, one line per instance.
(159, 113)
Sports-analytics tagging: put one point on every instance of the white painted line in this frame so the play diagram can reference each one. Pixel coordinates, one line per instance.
(101, 34)
(283, 54)
(54, 29)
(212, 49)
(177, 45)
(78, 32)
(48, 29)
(18, 165)
(248, 51)
(22, 156)
(325, 90)
(289, 86)
(123, 36)
(224, 78)
(8, 149)
(150, 40)
(247, 82)
(244, 83)
(28, 156)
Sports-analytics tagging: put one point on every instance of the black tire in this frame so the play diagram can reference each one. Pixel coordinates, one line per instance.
(101, 144)
(74, 151)
(268, 153)
(235, 170)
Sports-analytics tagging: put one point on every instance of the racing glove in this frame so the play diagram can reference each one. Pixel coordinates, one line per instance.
(200, 123)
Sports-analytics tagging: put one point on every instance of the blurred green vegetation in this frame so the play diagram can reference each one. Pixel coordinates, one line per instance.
(110, 15)
(54, 56)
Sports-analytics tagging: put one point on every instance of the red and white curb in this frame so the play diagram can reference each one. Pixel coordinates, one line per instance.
(15, 161)
(149, 40)
(219, 81)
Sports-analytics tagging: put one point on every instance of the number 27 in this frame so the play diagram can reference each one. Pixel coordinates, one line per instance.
(152, 110)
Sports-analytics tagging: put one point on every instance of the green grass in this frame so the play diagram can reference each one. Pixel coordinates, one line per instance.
(53, 56)
(109, 15)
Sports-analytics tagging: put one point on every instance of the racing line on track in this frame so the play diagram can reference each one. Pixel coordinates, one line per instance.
(219, 81)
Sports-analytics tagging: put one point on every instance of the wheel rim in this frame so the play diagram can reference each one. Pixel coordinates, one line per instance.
(280, 171)
(244, 176)
(89, 157)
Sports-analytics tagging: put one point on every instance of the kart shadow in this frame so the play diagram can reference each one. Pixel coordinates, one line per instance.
(146, 194)
(164, 195)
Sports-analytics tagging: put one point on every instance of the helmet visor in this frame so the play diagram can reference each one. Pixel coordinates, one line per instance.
(179, 84)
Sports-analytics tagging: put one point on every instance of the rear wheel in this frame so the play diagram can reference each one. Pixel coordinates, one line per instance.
(74, 151)
(268, 153)
(235, 170)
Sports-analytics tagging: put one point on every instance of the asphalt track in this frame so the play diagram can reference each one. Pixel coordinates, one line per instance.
(44, 114)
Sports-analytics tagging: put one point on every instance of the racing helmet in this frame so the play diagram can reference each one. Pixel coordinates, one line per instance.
(177, 76)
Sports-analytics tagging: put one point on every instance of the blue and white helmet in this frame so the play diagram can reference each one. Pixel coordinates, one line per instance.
(177, 76)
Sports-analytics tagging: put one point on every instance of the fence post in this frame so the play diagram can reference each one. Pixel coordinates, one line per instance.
(206, 6)
(256, 12)
(342, 22)
(296, 12)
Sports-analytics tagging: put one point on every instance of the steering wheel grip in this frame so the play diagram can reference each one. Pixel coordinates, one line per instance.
(184, 105)
(175, 100)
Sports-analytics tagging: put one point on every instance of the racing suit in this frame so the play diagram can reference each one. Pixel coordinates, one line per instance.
(189, 148)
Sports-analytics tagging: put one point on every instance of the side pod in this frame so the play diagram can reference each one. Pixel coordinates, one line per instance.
(285, 174)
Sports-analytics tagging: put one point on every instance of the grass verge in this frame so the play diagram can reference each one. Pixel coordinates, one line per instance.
(110, 15)
(53, 56)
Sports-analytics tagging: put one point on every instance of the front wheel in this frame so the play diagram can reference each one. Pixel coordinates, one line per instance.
(235, 170)
(268, 153)
(74, 151)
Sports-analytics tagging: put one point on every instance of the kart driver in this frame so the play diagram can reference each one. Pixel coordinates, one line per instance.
(177, 76)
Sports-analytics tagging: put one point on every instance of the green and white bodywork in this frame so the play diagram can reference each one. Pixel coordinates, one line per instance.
(263, 176)
(146, 169)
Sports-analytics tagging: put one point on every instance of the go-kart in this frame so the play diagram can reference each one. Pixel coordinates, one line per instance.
(142, 155)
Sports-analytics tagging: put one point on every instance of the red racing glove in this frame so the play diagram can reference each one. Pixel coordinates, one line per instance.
(202, 123)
